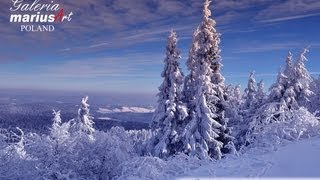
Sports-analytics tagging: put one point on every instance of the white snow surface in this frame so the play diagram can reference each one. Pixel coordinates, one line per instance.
(295, 159)
(298, 159)
(125, 109)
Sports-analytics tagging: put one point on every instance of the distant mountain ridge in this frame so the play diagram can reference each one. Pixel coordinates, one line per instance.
(126, 109)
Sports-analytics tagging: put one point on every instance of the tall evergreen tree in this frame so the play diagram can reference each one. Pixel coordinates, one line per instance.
(281, 93)
(207, 135)
(189, 82)
(85, 120)
(250, 92)
(170, 111)
(260, 94)
(302, 81)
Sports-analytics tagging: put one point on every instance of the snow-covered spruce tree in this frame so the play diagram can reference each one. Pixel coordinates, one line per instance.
(85, 120)
(170, 111)
(237, 94)
(189, 82)
(253, 99)
(289, 70)
(59, 132)
(234, 111)
(56, 120)
(315, 106)
(302, 81)
(281, 91)
(260, 94)
(292, 88)
(207, 135)
(234, 95)
(278, 88)
(250, 92)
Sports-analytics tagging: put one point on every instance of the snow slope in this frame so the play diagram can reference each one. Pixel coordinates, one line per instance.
(299, 159)
(296, 159)
(292, 159)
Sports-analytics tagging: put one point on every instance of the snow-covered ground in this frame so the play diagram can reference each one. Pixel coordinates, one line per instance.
(298, 159)
(295, 159)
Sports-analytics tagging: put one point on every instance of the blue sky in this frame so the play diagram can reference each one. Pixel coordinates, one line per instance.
(118, 45)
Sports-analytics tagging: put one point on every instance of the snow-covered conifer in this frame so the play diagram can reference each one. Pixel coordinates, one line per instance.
(302, 81)
(315, 106)
(237, 93)
(56, 119)
(234, 95)
(170, 111)
(278, 88)
(250, 92)
(207, 134)
(85, 120)
(189, 82)
(59, 132)
(260, 94)
(289, 70)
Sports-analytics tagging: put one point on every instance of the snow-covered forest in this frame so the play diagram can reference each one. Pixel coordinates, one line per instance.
(200, 127)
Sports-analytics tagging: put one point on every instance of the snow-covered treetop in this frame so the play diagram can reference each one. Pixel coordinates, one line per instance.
(300, 70)
(171, 49)
(209, 51)
(237, 91)
(191, 61)
(84, 119)
(206, 9)
(251, 83)
(260, 95)
(57, 117)
(250, 92)
(84, 102)
(289, 65)
(260, 86)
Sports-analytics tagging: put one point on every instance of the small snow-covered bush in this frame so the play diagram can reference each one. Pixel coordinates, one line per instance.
(155, 168)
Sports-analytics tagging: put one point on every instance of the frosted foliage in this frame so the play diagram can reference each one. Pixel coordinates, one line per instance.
(277, 89)
(233, 104)
(291, 125)
(293, 86)
(85, 121)
(170, 111)
(206, 132)
(237, 92)
(156, 168)
(189, 83)
(57, 118)
(315, 106)
(250, 92)
(260, 95)
(302, 81)
(289, 70)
